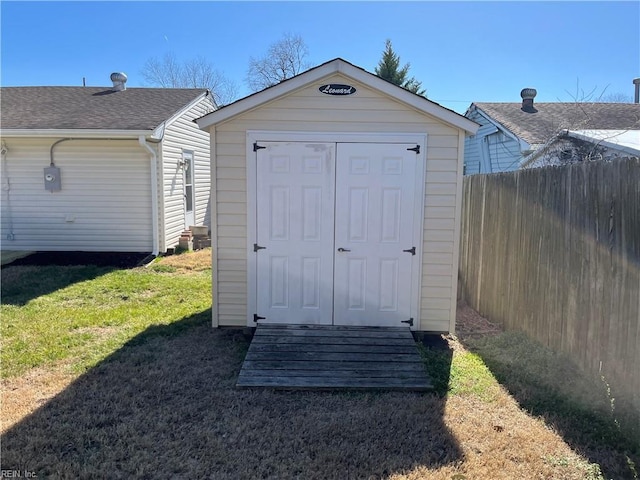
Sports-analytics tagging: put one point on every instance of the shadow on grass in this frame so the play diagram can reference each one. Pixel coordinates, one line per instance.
(438, 355)
(46, 272)
(549, 385)
(166, 402)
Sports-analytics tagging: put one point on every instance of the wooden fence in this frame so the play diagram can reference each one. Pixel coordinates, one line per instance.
(555, 252)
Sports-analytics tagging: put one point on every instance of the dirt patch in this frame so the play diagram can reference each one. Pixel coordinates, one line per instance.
(99, 259)
(470, 323)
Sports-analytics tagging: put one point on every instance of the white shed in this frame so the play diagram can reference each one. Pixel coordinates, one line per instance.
(102, 168)
(337, 202)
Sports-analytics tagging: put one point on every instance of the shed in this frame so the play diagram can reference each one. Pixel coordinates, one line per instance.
(337, 202)
(110, 169)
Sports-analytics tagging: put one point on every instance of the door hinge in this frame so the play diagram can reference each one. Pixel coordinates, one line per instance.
(256, 317)
(415, 149)
(410, 322)
(257, 247)
(257, 147)
(411, 250)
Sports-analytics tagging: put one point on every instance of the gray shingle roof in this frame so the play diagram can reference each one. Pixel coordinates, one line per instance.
(537, 128)
(90, 107)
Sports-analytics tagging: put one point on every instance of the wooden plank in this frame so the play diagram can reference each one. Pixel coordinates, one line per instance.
(329, 382)
(321, 357)
(334, 365)
(333, 356)
(245, 373)
(348, 348)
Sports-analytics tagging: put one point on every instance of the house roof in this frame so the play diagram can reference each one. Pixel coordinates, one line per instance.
(349, 70)
(537, 128)
(627, 141)
(91, 108)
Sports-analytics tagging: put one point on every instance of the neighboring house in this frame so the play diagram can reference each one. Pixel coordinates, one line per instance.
(337, 202)
(102, 168)
(511, 132)
(570, 146)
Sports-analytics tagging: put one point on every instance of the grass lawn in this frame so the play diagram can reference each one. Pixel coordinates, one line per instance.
(117, 373)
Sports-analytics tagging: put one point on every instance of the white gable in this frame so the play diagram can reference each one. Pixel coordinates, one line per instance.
(350, 71)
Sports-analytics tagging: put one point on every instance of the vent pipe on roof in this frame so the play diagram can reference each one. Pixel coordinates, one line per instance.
(119, 80)
(636, 82)
(528, 94)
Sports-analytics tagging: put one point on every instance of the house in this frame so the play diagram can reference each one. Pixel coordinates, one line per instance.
(102, 168)
(569, 146)
(337, 202)
(511, 132)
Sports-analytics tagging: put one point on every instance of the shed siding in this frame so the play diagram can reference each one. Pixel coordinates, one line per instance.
(104, 204)
(367, 111)
(184, 134)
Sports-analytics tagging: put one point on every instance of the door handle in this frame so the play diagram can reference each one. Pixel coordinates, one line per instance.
(343, 250)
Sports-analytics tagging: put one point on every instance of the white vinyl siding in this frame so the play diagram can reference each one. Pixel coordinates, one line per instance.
(104, 204)
(184, 134)
(367, 111)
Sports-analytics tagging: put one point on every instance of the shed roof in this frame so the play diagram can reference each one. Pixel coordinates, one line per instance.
(346, 69)
(537, 128)
(94, 108)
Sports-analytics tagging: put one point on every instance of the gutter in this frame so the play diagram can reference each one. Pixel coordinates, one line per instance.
(153, 159)
(74, 133)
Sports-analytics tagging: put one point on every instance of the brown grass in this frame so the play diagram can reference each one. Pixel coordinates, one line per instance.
(166, 405)
(197, 261)
(23, 395)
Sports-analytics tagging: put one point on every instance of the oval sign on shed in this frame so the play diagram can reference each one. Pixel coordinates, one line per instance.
(337, 89)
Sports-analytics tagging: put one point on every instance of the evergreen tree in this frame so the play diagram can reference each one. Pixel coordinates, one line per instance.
(389, 69)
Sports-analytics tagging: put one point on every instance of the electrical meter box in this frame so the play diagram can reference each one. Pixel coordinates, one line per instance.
(52, 179)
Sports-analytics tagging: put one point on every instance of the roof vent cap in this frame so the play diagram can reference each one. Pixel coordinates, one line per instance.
(528, 94)
(119, 80)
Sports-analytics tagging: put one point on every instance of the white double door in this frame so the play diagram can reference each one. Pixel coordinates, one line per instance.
(336, 233)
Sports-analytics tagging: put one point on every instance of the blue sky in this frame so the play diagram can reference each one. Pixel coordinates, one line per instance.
(461, 51)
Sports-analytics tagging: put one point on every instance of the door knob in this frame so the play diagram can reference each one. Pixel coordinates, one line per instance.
(343, 250)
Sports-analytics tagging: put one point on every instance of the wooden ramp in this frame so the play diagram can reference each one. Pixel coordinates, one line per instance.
(330, 357)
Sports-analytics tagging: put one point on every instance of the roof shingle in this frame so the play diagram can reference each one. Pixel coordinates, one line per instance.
(537, 128)
(91, 107)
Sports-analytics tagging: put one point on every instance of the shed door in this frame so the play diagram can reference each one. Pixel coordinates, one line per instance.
(295, 232)
(375, 202)
(332, 223)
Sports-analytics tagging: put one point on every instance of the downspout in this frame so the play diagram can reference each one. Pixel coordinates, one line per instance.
(154, 191)
(6, 186)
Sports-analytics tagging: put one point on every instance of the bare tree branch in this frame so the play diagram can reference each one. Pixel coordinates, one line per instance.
(194, 73)
(284, 59)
